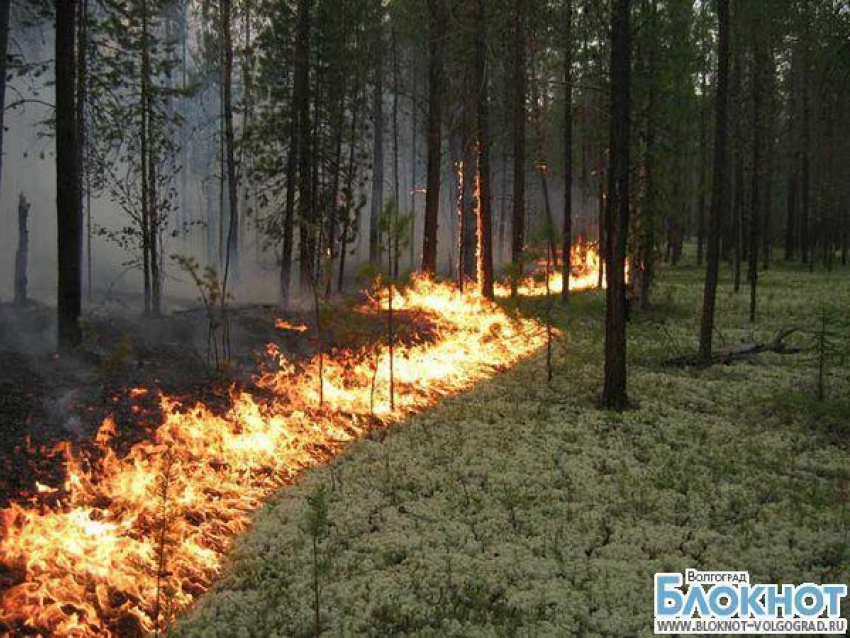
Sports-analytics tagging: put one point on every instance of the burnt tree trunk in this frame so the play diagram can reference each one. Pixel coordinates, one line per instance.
(719, 192)
(69, 223)
(436, 51)
(614, 395)
(484, 207)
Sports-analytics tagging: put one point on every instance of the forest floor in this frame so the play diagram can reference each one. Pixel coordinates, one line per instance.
(520, 508)
(127, 360)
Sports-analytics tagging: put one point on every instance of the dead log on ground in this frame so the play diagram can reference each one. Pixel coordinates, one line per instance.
(741, 351)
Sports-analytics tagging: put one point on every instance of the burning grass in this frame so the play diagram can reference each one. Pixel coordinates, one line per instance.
(128, 540)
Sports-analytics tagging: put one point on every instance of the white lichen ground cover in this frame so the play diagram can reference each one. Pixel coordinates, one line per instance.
(521, 509)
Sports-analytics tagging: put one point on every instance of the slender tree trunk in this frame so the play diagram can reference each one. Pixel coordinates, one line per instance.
(740, 154)
(791, 213)
(289, 207)
(719, 192)
(805, 183)
(21, 255)
(232, 256)
(466, 175)
(520, 81)
(600, 228)
(645, 268)
(485, 212)
(614, 395)
(82, 87)
(305, 164)
(567, 232)
(377, 201)
(69, 224)
(349, 191)
(757, 199)
(333, 204)
(144, 142)
(4, 46)
(414, 158)
(396, 235)
(703, 170)
(436, 45)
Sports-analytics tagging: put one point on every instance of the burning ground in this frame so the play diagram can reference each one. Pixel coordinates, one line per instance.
(134, 533)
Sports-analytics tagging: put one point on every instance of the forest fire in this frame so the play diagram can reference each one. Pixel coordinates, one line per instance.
(585, 261)
(127, 541)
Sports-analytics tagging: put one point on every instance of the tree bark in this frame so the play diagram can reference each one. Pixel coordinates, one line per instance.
(719, 192)
(703, 170)
(69, 224)
(305, 164)
(4, 46)
(377, 200)
(758, 198)
(436, 47)
(614, 396)
(485, 211)
(567, 231)
(22, 252)
(519, 117)
(232, 255)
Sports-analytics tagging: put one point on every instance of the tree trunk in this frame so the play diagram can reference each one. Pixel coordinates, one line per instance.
(644, 270)
(80, 115)
(144, 141)
(289, 207)
(377, 201)
(232, 256)
(485, 212)
(414, 158)
(757, 200)
(4, 46)
(567, 231)
(740, 153)
(703, 171)
(305, 164)
(614, 395)
(437, 24)
(790, 213)
(349, 188)
(69, 224)
(719, 190)
(22, 252)
(805, 143)
(519, 116)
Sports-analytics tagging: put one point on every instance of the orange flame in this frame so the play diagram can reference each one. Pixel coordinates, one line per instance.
(131, 539)
(282, 324)
(584, 274)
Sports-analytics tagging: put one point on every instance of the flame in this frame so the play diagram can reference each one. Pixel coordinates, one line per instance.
(282, 324)
(584, 274)
(130, 539)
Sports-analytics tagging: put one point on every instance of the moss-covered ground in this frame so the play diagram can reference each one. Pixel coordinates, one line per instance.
(521, 509)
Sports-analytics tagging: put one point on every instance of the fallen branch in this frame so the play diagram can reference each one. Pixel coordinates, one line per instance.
(740, 351)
